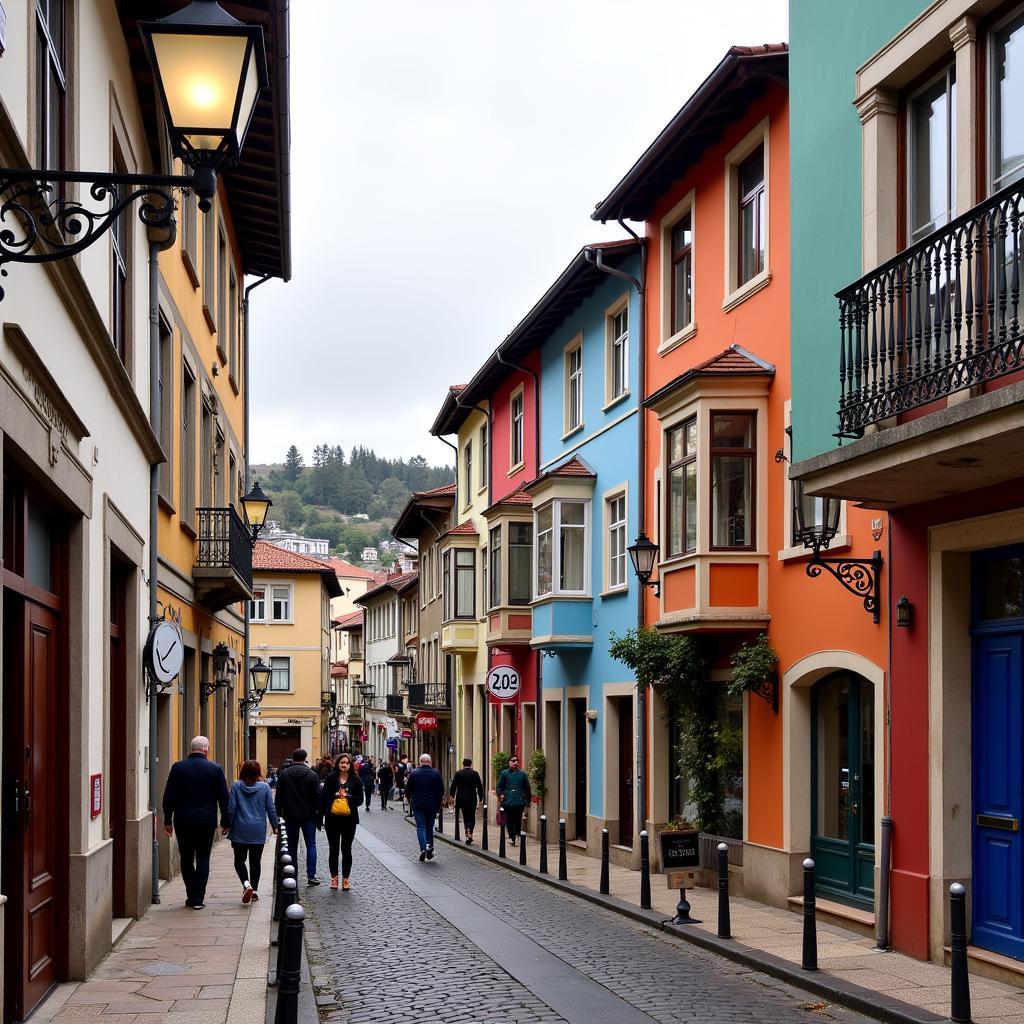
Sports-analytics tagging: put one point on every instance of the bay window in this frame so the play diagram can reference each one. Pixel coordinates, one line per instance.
(562, 565)
(520, 554)
(495, 559)
(459, 583)
(733, 451)
(682, 488)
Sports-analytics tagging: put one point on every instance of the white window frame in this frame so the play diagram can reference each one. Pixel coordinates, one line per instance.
(255, 614)
(291, 679)
(517, 430)
(556, 559)
(467, 457)
(991, 186)
(951, 154)
(612, 342)
(290, 617)
(669, 340)
(572, 401)
(735, 293)
(615, 494)
(484, 455)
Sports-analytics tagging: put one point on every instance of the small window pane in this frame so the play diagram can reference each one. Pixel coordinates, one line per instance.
(752, 172)
(932, 149)
(39, 549)
(731, 501)
(1008, 95)
(572, 513)
(733, 431)
(1002, 588)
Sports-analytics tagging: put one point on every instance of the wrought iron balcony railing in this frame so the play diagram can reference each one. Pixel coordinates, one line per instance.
(223, 566)
(430, 695)
(941, 316)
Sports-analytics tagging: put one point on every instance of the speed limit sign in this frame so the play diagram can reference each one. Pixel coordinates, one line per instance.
(503, 682)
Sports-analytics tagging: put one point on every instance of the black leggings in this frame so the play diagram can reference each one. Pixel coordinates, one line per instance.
(467, 808)
(514, 821)
(341, 830)
(254, 854)
(385, 792)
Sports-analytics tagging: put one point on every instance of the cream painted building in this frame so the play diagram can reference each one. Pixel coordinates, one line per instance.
(290, 630)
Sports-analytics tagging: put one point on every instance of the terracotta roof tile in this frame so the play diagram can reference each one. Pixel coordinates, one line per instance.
(435, 492)
(574, 467)
(339, 671)
(354, 620)
(269, 558)
(343, 568)
(466, 529)
(393, 581)
(517, 497)
(735, 361)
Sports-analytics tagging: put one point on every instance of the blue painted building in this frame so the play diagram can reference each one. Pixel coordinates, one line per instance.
(584, 516)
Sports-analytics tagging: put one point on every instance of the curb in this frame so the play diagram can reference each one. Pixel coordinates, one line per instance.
(837, 990)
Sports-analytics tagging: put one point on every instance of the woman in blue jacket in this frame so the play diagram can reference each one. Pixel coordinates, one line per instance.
(250, 807)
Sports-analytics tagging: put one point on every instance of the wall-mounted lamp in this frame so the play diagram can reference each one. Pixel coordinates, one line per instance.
(643, 553)
(221, 661)
(592, 716)
(904, 612)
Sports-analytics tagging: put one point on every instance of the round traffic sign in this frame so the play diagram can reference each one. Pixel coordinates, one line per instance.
(503, 682)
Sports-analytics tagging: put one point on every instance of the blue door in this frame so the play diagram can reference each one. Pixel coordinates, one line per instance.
(997, 724)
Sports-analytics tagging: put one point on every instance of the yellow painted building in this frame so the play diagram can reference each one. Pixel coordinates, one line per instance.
(290, 630)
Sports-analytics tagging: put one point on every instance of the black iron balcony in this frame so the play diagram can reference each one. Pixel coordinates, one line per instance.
(395, 704)
(430, 695)
(223, 570)
(941, 316)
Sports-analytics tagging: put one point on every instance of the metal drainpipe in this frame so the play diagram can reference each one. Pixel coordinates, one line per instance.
(156, 246)
(641, 499)
(248, 485)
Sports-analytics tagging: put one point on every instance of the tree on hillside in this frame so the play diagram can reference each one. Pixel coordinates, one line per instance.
(394, 494)
(289, 510)
(293, 463)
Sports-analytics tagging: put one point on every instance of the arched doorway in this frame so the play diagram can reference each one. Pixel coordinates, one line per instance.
(843, 788)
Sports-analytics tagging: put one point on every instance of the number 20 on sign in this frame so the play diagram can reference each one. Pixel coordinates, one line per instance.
(503, 682)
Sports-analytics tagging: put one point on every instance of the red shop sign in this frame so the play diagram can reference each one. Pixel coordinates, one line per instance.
(425, 721)
(407, 734)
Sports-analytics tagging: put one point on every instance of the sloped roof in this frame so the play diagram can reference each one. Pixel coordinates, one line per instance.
(436, 491)
(396, 582)
(574, 468)
(735, 361)
(354, 620)
(343, 568)
(517, 497)
(740, 77)
(575, 284)
(466, 529)
(269, 558)
(339, 670)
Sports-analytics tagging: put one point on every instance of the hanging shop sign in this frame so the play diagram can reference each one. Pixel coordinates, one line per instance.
(503, 682)
(164, 653)
(425, 721)
(407, 734)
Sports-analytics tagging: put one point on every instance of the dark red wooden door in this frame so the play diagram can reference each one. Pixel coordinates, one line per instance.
(625, 772)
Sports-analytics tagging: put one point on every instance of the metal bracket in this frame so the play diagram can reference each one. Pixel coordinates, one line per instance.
(768, 689)
(860, 576)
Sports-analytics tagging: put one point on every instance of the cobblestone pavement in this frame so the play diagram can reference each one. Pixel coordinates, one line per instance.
(387, 953)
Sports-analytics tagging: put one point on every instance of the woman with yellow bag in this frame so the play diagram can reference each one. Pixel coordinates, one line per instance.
(339, 802)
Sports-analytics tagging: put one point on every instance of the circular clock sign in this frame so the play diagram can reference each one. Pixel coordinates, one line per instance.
(503, 682)
(164, 653)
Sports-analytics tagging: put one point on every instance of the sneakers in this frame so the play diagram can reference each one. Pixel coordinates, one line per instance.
(334, 881)
(313, 881)
(469, 840)
(247, 893)
(430, 853)
(197, 906)
(423, 856)
(255, 895)
(345, 887)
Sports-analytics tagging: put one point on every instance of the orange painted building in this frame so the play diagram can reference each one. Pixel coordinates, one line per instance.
(713, 193)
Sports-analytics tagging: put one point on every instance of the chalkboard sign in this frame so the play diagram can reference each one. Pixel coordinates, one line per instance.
(679, 850)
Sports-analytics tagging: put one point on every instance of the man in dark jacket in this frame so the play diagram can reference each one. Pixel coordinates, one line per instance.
(466, 787)
(366, 778)
(425, 790)
(514, 796)
(195, 789)
(298, 801)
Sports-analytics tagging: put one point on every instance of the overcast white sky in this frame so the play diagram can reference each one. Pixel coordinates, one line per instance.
(445, 160)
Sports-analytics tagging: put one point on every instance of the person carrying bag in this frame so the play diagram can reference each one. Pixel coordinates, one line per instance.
(339, 815)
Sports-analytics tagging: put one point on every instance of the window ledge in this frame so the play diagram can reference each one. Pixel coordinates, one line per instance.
(575, 430)
(560, 597)
(166, 504)
(221, 354)
(612, 402)
(677, 339)
(614, 592)
(233, 383)
(208, 316)
(517, 468)
(752, 287)
(188, 528)
(841, 542)
(190, 268)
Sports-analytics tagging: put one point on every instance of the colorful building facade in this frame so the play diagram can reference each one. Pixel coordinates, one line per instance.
(913, 307)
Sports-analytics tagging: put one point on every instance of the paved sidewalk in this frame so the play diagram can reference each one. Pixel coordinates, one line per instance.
(187, 966)
(760, 929)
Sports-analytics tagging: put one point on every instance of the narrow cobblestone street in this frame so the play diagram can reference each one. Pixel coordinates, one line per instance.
(460, 940)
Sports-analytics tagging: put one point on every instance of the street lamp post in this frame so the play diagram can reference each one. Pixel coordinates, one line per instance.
(256, 505)
(208, 69)
(259, 675)
(366, 694)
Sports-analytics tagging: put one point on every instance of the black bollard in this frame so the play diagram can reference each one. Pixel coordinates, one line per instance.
(278, 905)
(605, 888)
(645, 871)
(724, 924)
(501, 840)
(287, 1011)
(522, 848)
(960, 986)
(458, 830)
(563, 869)
(290, 895)
(543, 844)
(809, 960)
(483, 824)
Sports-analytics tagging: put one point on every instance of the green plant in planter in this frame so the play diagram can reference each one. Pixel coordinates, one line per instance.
(536, 769)
(679, 666)
(679, 824)
(499, 762)
(752, 664)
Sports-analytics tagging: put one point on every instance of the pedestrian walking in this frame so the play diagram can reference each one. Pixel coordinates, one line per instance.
(514, 797)
(366, 778)
(466, 786)
(298, 802)
(195, 789)
(339, 814)
(425, 789)
(401, 775)
(250, 807)
(271, 776)
(385, 780)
